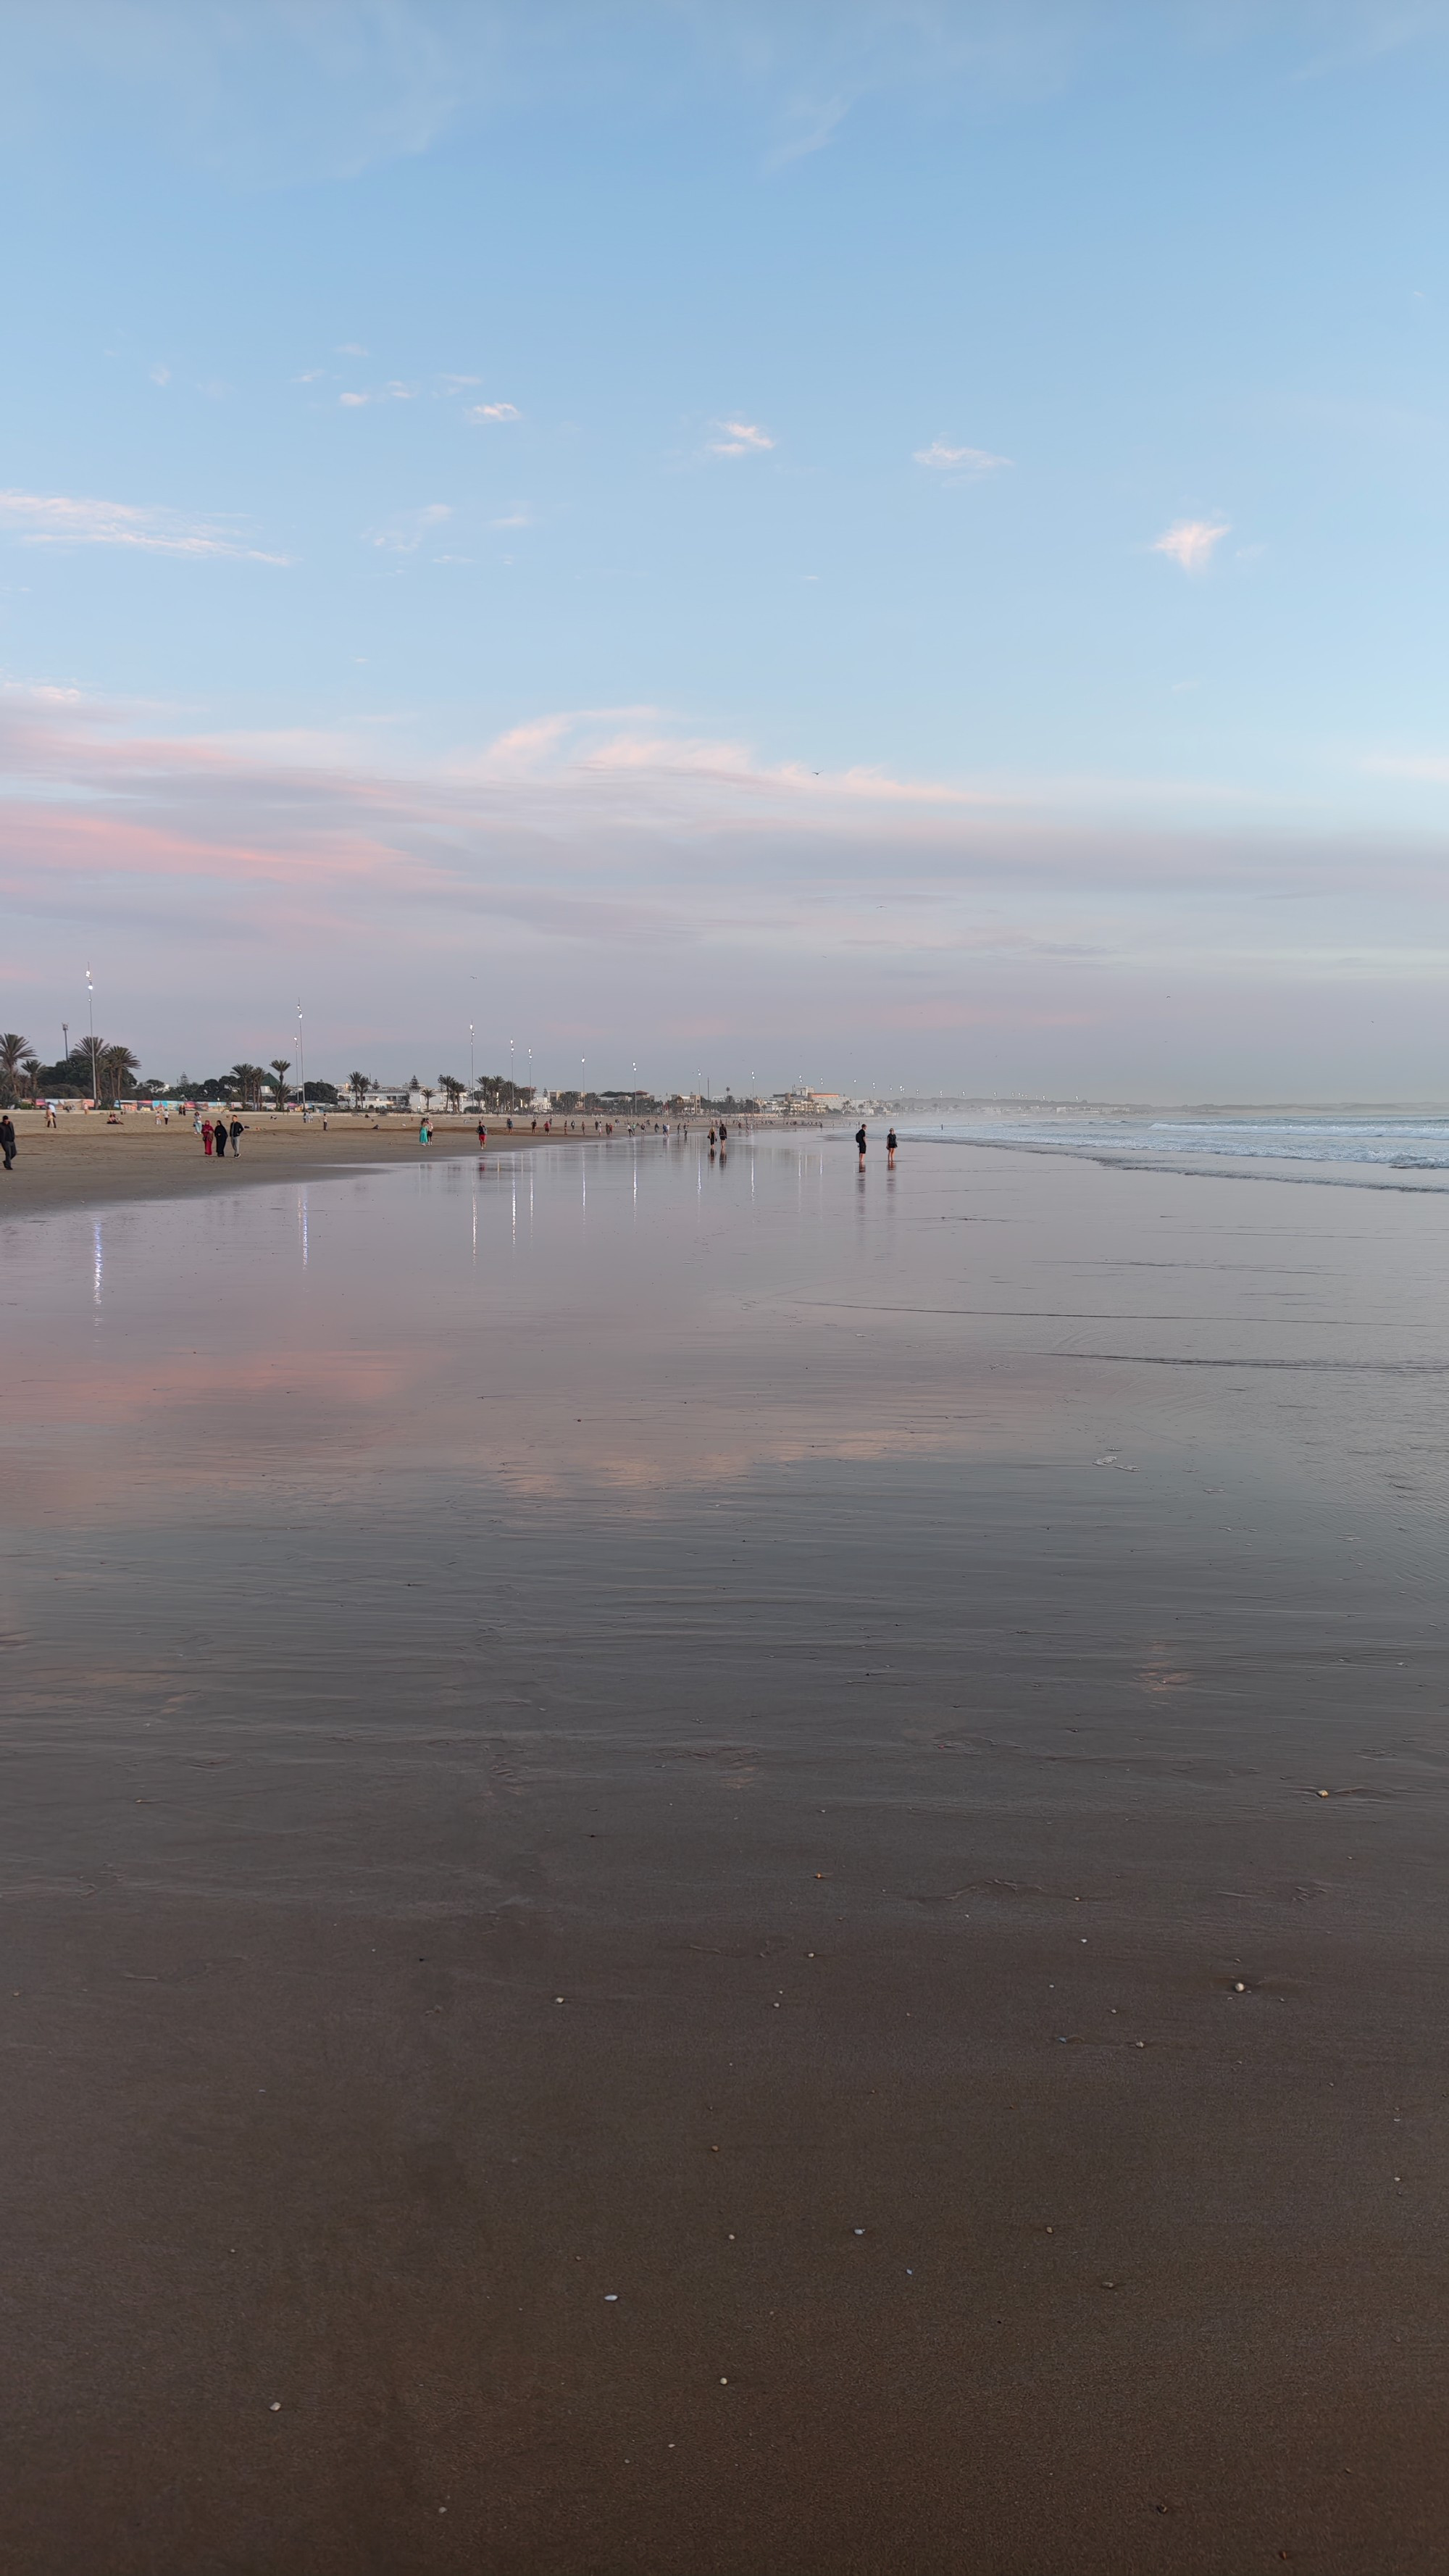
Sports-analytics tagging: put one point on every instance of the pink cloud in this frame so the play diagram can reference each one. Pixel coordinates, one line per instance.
(772, 895)
(1190, 542)
(63, 519)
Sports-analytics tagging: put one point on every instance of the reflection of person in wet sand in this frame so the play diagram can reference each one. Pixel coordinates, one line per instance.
(711, 1144)
(860, 1142)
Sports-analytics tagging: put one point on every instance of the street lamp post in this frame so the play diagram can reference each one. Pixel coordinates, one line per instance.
(91, 1024)
(302, 1063)
(472, 1085)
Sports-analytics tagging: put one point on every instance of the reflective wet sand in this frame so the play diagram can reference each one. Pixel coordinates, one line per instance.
(705, 1868)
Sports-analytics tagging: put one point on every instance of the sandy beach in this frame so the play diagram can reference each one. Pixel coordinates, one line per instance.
(83, 1162)
(726, 1869)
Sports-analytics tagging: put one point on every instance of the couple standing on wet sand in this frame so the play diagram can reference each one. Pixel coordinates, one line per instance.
(860, 1139)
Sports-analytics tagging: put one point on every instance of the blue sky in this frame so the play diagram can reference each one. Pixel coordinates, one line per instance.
(880, 544)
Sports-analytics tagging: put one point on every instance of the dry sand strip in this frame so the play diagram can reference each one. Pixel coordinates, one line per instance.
(83, 1162)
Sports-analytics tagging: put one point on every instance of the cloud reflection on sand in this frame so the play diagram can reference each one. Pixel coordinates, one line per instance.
(638, 1328)
(619, 1337)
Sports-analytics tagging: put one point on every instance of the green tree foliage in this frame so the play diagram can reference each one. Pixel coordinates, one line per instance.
(117, 1068)
(499, 1094)
(13, 1051)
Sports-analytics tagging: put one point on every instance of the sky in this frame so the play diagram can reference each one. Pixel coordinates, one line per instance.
(853, 542)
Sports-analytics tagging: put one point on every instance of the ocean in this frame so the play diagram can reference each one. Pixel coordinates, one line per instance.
(1388, 1139)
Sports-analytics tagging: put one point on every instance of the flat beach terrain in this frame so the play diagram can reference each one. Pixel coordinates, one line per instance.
(82, 1162)
(723, 1868)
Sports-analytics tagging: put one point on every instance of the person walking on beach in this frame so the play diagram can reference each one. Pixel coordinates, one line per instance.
(482, 1135)
(860, 1142)
(7, 1139)
(50, 1117)
(218, 1136)
(203, 1129)
(890, 1149)
(237, 1133)
(425, 1133)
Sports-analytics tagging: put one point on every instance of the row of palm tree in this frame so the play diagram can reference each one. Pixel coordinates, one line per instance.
(249, 1081)
(108, 1069)
(103, 1063)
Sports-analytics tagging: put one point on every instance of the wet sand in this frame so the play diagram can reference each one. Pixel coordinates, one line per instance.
(84, 1163)
(710, 1869)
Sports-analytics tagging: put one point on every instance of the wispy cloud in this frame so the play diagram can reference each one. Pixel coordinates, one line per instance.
(606, 791)
(966, 463)
(351, 349)
(404, 534)
(56, 519)
(845, 901)
(458, 384)
(493, 411)
(814, 127)
(740, 438)
(394, 392)
(1430, 766)
(520, 516)
(160, 373)
(1190, 542)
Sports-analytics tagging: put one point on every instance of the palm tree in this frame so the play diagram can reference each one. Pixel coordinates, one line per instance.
(31, 1070)
(249, 1079)
(13, 1051)
(359, 1084)
(117, 1065)
(281, 1066)
(452, 1089)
